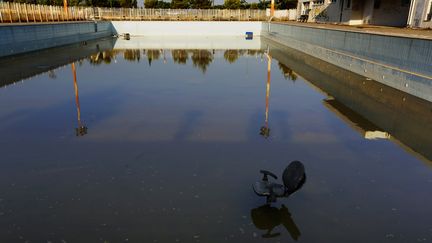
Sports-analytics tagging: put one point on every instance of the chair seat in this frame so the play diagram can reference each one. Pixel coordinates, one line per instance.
(263, 188)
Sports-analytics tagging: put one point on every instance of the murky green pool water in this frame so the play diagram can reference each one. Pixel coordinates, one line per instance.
(163, 145)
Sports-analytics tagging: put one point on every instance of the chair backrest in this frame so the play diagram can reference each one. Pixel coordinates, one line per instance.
(294, 176)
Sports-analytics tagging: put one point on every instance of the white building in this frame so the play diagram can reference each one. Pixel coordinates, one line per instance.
(413, 13)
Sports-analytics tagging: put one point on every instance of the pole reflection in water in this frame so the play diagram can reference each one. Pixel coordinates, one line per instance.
(265, 130)
(81, 130)
(267, 218)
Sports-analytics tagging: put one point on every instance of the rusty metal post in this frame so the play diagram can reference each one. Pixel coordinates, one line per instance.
(272, 9)
(65, 7)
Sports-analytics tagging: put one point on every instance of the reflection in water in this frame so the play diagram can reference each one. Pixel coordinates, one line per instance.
(254, 52)
(265, 130)
(179, 56)
(52, 74)
(267, 218)
(377, 110)
(287, 72)
(356, 121)
(81, 130)
(20, 67)
(202, 59)
(232, 55)
(346, 88)
(152, 55)
(132, 55)
(102, 57)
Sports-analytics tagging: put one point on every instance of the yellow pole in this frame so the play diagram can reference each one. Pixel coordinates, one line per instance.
(65, 6)
(271, 8)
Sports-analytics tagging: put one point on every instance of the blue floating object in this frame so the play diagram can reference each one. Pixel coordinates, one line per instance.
(249, 35)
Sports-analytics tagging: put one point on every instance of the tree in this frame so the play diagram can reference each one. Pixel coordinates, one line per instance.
(180, 4)
(162, 4)
(200, 4)
(156, 4)
(220, 6)
(244, 4)
(286, 4)
(150, 3)
(232, 4)
(263, 4)
(253, 6)
(103, 3)
(128, 3)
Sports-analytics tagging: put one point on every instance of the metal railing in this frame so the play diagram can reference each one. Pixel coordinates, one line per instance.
(21, 12)
(181, 14)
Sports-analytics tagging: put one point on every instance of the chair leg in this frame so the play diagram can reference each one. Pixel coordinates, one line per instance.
(271, 198)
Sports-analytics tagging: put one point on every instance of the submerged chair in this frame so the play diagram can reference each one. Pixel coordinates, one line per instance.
(293, 178)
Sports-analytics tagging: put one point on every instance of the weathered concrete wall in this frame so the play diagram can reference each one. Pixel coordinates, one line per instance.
(327, 12)
(357, 12)
(194, 28)
(368, 11)
(419, 14)
(21, 38)
(401, 63)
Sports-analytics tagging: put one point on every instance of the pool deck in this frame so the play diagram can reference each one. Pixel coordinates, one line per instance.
(370, 29)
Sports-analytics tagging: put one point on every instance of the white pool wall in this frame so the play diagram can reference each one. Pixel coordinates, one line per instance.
(189, 43)
(190, 28)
